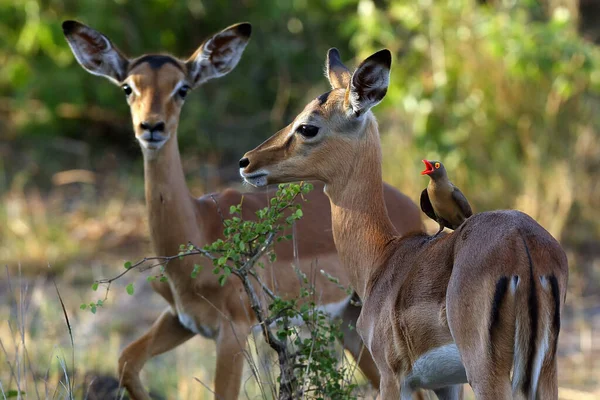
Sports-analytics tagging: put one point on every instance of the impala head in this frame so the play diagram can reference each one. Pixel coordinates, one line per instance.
(155, 86)
(328, 136)
(435, 169)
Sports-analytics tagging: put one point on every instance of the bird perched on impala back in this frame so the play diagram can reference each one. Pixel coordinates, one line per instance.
(441, 200)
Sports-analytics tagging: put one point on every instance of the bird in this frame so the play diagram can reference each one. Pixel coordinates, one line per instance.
(441, 200)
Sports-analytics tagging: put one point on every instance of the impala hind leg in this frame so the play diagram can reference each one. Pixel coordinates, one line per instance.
(389, 388)
(165, 334)
(547, 384)
(483, 327)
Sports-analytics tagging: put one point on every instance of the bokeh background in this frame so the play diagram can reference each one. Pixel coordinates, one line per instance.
(505, 93)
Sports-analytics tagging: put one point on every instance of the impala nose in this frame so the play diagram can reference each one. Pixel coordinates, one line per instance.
(244, 162)
(156, 127)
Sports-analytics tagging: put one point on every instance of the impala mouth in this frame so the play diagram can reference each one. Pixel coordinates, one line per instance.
(428, 168)
(256, 179)
(152, 140)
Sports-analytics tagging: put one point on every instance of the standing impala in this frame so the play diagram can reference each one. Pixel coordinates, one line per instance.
(471, 306)
(155, 87)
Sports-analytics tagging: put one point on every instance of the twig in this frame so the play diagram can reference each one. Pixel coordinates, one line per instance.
(71, 382)
(207, 388)
(218, 209)
(259, 253)
(164, 260)
(262, 285)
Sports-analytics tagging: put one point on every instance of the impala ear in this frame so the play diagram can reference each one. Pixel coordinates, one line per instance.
(94, 52)
(369, 82)
(337, 73)
(219, 54)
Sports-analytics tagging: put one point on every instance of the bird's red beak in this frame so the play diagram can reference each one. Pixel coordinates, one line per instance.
(428, 168)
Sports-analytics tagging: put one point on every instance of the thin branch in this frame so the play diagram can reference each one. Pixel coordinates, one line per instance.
(218, 209)
(207, 388)
(259, 253)
(262, 285)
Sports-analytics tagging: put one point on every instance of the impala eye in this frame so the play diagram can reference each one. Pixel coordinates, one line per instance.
(127, 89)
(183, 91)
(308, 131)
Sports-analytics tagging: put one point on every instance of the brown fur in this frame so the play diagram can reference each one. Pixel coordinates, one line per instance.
(418, 293)
(175, 217)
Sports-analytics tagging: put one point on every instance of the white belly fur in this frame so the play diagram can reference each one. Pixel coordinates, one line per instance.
(438, 368)
(190, 324)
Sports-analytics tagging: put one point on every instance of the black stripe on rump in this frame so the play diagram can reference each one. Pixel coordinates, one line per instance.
(499, 293)
(556, 298)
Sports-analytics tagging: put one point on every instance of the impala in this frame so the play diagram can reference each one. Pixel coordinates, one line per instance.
(155, 87)
(471, 306)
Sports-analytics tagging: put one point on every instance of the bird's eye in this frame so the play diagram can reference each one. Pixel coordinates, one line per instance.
(308, 131)
(183, 91)
(127, 89)
(437, 165)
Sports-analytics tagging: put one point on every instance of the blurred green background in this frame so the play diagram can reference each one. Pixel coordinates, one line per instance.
(505, 93)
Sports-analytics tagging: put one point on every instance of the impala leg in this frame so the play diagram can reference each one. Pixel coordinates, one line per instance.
(389, 388)
(165, 334)
(547, 384)
(231, 344)
(354, 344)
(487, 358)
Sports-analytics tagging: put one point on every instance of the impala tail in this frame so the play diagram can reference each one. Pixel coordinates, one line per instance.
(533, 320)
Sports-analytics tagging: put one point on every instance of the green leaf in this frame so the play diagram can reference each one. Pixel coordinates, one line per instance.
(222, 280)
(83, 306)
(163, 279)
(127, 265)
(95, 286)
(100, 303)
(14, 393)
(129, 289)
(93, 308)
(195, 271)
(151, 278)
(217, 270)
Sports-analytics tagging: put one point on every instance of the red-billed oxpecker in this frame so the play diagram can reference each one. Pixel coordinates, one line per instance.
(441, 200)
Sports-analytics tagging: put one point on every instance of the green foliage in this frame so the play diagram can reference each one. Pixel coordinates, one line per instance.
(314, 361)
(505, 95)
(40, 74)
(505, 98)
(93, 307)
(243, 238)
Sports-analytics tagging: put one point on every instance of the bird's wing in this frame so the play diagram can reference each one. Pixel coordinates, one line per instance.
(462, 202)
(426, 206)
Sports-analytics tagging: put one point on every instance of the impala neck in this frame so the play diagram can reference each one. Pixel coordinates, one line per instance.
(360, 223)
(171, 211)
